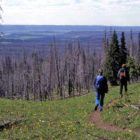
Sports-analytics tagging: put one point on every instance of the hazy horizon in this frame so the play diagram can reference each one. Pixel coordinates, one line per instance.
(69, 25)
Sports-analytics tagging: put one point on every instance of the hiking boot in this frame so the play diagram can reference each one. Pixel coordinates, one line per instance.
(121, 96)
(96, 107)
(101, 110)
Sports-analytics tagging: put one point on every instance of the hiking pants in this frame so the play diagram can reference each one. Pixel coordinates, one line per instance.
(100, 99)
(123, 84)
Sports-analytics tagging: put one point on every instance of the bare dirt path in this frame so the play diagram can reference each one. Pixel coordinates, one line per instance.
(98, 121)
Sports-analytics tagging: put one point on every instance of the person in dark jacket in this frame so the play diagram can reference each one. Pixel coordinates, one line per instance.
(123, 75)
(101, 87)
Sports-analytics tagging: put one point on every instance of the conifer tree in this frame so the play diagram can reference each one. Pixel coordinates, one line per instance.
(133, 69)
(112, 63)
(138, 54)
(138, 51)
(123, 50)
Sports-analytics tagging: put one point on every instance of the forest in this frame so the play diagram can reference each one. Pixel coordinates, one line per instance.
(69, 72)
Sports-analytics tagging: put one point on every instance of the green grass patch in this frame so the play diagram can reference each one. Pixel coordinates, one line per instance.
(121, 113)
(65, 119)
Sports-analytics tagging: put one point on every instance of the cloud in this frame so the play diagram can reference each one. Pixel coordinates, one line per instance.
(110, 12)
(39, 3)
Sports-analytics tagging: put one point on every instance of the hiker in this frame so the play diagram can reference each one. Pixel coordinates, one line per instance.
(123, 76)
(101, 87)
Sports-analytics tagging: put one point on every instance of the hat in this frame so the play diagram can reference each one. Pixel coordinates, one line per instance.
(123, 65)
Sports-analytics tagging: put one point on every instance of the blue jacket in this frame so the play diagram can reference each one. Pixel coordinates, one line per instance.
(100, 84)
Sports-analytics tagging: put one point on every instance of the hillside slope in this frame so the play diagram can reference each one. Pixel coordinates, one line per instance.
(70, 119)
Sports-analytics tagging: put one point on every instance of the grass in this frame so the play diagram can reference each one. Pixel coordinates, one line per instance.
(67, 119)
(122, 114)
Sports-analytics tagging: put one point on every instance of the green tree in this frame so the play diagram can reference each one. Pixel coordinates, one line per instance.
(138, 53)
(133, 68)
(123, 50)
(112, 63)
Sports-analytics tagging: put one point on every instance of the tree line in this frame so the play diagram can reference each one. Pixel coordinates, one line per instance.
(58, 74)
(118, 53)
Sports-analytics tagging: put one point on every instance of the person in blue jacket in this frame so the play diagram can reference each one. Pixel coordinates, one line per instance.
(101, 87)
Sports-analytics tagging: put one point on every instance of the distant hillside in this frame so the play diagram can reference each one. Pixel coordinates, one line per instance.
(29, 37)
(66, 27)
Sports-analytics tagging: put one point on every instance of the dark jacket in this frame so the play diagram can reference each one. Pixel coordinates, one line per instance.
(127, 76)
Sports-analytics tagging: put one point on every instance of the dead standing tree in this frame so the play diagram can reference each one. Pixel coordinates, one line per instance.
(60, 74)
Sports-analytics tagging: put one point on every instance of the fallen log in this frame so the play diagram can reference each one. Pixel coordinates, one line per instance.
(135, 107)
(8, 124)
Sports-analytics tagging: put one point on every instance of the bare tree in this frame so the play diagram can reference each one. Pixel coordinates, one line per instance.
(59, 74)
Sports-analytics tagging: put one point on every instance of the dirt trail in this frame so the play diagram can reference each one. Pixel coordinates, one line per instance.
(98, 121)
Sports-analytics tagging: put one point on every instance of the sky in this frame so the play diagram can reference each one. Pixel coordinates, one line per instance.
(71, 12)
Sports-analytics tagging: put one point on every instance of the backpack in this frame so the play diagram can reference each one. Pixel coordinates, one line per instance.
(101, 84)
(122, 74)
